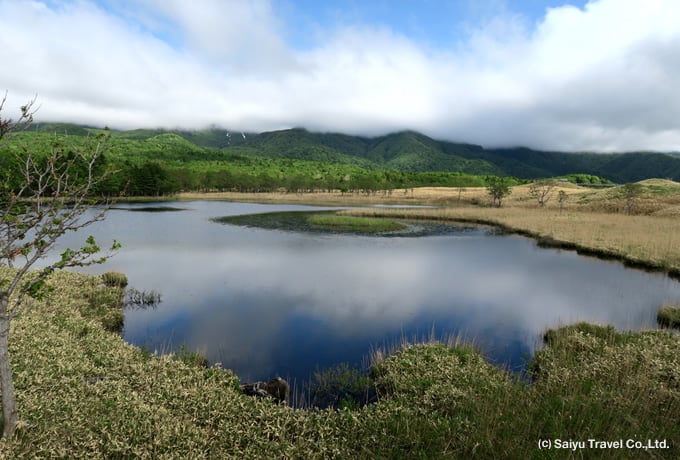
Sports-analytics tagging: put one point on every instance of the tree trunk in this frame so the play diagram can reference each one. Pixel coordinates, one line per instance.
(10, 416)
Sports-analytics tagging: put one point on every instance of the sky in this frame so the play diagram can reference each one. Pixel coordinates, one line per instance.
(570, 75)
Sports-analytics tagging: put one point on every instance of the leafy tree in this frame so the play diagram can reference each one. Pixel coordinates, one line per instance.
(498, 188)
(150, 179)
(50, 197)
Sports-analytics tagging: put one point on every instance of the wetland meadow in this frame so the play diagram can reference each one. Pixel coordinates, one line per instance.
(475, 340)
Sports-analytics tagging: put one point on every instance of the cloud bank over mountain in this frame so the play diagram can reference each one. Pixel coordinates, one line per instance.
(602, 77)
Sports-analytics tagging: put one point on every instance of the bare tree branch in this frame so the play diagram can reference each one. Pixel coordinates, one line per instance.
(542, 190)
(49, 196)
(7, 125)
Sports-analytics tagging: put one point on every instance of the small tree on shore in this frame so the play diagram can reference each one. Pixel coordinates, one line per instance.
(498, 188)
(631, 192)
(562, 198)
(42, 197)
(542, 191)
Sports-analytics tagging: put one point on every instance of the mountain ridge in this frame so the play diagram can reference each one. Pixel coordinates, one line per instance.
(410, 151)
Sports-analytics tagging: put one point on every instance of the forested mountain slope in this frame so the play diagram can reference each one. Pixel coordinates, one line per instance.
(405, 151)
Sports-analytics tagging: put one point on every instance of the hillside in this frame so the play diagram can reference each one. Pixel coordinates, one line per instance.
(409, 151)
(405, 151)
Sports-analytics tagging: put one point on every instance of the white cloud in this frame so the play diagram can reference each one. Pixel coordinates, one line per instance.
(238, 35)
(601, 77)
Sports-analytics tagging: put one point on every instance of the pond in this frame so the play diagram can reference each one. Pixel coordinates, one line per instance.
(269, 302)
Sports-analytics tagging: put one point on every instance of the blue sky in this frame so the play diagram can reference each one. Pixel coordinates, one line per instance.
(576, 75)
(434, 23)
(438, 24)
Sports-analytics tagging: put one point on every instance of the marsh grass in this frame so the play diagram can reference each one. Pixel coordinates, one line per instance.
(134, 298)
(354, 224)
(191, 358)
(339, 387)
(105, 304)
(651, 242)
(656, 197)
(621, 385)
(153, 209)
(115, 279)
(447, 196)
(352, 387)
(669, 316)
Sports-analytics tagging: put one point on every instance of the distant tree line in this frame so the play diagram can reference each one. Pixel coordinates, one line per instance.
(154, 178)
(167, 164)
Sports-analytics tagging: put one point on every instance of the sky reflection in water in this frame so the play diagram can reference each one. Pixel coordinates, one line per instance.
(266, 302)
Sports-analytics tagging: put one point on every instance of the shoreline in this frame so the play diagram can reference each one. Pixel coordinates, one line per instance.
(651, 244)
(541, 240)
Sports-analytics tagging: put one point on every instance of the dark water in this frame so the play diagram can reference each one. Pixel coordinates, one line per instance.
(269, 302)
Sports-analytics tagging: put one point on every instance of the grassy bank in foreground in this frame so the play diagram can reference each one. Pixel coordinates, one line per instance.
(84, 393)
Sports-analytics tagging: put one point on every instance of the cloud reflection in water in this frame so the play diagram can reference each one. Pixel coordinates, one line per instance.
(264, 302)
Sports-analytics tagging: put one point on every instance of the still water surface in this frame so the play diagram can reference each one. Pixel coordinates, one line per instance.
(271, 302)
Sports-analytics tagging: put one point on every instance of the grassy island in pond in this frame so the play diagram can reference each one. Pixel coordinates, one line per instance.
(322, 222)
(354, 224)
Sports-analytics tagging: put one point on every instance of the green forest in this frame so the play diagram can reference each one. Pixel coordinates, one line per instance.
(160, 162)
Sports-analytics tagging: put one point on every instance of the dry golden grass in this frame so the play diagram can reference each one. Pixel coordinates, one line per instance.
(641, 238)
(662, 182)
(317, 198)
(450, 196)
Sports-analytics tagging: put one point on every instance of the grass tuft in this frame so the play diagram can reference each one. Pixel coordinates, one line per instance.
(191, 358)
(669, 316)
(115, 279)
